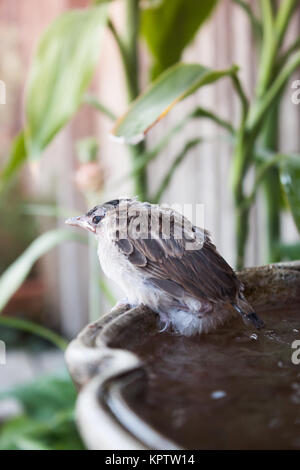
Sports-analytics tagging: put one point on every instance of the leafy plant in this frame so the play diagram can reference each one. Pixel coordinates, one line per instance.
(62, 68)
(255, 137)
(170, 88)
(172, 23)
(71, 44)
(13, 277)
(47, 421)
(67, 56)
(61, 71)
(12, 237)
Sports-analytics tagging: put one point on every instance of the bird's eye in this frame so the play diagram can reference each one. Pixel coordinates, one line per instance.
(96, 219)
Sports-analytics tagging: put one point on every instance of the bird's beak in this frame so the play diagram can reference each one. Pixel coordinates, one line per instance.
(81, 221)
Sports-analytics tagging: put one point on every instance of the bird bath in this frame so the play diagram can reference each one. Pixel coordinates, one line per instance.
(233, 388)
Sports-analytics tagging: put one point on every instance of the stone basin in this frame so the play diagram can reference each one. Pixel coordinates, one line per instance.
(235, 388)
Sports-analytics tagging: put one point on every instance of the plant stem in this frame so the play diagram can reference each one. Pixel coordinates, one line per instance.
(240, 159)
(131, 45)
(268, 90)
(132, 79)
(198, 112)
(255, 22)
(271, 186)
(287, 54)
(33, 328)
(243, 153)
(262, 172)
(206, 113)
(242, 231)
(285, 12)
(128, 48)
(273, 35)
(92, 101)
(269, 47)
(124, 54)
(241, 94)
(263, 117)
(260, 108)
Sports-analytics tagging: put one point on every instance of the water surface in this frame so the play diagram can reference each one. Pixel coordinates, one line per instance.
(236, 388)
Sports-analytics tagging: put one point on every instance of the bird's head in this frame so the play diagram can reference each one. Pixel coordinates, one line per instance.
(92, 219)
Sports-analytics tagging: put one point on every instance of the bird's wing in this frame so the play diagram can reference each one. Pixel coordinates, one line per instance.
(169, 264)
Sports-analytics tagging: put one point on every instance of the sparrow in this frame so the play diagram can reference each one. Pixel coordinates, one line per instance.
(161, 260)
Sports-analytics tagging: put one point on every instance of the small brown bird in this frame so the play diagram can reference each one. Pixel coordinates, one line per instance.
(161, 260)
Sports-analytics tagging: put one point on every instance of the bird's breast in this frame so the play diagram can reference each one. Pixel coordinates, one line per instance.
(112, 261)
(117, 268)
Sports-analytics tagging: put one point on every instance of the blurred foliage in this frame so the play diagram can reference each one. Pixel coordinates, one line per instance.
(257, 126)
(34, 328)
(48, 418)
(15, 160)
(63, 67)
(177, 83)
(17, 272)
(17, 230)
(290, 179)
(169, 26)
(67, 56)
(18, 339)
(61, 72)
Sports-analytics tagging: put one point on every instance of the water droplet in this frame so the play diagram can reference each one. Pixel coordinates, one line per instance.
(295, 386)
(274, 423)
(217, 394)
(178, 417)
(295, 398)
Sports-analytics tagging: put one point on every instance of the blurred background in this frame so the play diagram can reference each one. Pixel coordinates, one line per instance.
(81, 165)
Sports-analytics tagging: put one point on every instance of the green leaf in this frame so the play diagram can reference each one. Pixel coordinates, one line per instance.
(93, 101)
(16, 158)
(13, 277)
(34, 329)
(168, 26)
(48, 419)
(62, 69)
(172, 86)
(45, 396)
(290, 180)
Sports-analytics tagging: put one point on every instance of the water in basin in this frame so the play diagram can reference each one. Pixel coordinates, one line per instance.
(236, 388)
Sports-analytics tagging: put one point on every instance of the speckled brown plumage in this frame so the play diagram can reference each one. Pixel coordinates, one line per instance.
(163, 261)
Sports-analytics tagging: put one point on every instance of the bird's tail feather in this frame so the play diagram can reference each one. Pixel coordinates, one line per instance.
(247, 313)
